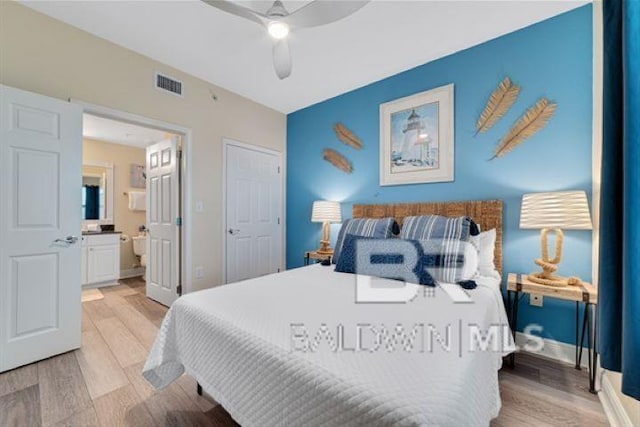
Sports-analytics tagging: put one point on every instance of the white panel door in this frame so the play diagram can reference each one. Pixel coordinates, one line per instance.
(253, 212)
(163, 201)
(40, 253)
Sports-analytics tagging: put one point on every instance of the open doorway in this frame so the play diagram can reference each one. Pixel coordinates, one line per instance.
(135, 185)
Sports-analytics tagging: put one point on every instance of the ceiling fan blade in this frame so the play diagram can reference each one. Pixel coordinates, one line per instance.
(322, 12)
(281, 58)
(237, 10)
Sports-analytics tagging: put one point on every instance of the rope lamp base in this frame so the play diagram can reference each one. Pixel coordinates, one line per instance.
(325, 243)
(549, 265)
(325, 248)
(555, 281)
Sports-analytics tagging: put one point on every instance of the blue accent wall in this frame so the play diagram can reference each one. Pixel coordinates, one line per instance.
(553, 59)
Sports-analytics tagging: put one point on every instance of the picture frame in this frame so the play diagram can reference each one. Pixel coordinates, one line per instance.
(138, 176)
(417, 138)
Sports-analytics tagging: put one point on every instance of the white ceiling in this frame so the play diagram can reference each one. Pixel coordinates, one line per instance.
(381, 39)
(94, 127)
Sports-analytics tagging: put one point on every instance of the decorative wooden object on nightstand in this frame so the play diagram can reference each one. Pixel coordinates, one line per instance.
(315, 255)
(585, 293)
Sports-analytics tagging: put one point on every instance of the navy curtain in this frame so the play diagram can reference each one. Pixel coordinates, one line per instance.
(92, 202)
(619, 275)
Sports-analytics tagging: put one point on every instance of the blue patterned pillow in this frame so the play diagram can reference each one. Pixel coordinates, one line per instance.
(444, 260)
(437, 260)
(366, 227)
(385, 260)
(438, 227)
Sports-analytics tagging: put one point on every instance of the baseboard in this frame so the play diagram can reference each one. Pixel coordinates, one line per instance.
(133, 272)
(556, 350)
(100, 285)
(612, 406)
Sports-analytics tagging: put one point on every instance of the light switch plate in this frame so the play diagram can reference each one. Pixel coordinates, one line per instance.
(199, 206)
(199, 272)
(535, 300)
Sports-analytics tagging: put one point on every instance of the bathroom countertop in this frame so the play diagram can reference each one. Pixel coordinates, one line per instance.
(92, 233)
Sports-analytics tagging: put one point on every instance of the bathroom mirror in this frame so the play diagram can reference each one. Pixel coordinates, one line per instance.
(97, 193)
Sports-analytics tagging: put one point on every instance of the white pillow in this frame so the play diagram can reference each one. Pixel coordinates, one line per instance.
(485, 244)
(471, 260)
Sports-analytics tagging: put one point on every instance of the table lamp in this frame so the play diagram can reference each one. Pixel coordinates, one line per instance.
(555, 211)
(326, 212)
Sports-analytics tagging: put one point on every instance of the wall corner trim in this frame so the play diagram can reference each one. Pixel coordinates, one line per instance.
(612, 406)
(597, 126)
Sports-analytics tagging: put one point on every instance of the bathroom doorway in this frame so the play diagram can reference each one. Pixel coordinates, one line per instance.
(132, 209)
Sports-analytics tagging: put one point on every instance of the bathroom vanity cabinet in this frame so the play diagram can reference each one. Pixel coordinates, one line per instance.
(100, 259)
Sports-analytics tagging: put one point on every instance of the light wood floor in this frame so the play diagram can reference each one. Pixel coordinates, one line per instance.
(101, 384)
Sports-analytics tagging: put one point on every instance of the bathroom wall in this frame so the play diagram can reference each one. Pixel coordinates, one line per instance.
(125, 220)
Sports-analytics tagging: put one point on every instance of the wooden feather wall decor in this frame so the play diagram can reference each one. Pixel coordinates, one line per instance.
(528, 125)
(499, 103)
(346, 136)
(337, 160)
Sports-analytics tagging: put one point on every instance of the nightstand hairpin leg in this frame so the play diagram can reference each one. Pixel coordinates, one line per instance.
(593, 353)
(585, 320)
(512, 312)
(578, 357)
(589, 327)
(584, 295)
(509, 316)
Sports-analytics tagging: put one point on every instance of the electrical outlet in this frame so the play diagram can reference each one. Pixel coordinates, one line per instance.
(199, 272)
(535, 300)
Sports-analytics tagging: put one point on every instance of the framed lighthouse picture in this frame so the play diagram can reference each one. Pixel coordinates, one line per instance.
(417, 138)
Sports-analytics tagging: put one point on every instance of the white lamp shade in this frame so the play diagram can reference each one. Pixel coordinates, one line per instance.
(326, 211)
(568, 210)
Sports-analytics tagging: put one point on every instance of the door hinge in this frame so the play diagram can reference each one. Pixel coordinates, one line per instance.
(179, 290)
(278, 169)
(179, 222)
(179, 154)
(278, 220)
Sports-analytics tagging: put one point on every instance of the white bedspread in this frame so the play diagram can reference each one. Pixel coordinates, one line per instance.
(244, 343)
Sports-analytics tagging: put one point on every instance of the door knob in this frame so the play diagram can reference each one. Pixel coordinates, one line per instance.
(69, 240)
(233, 231)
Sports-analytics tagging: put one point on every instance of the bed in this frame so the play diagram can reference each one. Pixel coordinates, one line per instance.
(294, 348)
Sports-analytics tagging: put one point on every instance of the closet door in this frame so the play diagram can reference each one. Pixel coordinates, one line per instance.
(40, 253)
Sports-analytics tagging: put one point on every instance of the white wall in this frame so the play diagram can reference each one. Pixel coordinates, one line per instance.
(46, 56)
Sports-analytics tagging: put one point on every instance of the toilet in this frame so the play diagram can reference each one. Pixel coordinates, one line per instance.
(140, 249)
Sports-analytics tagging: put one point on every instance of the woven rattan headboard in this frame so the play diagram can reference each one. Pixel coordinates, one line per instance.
(486, 213)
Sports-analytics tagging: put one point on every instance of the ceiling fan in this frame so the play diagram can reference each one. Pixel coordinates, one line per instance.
(279, 23)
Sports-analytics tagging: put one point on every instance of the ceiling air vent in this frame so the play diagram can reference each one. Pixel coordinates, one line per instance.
(169, 84)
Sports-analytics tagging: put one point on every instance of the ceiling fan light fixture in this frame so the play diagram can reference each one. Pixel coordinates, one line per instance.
(278, 30)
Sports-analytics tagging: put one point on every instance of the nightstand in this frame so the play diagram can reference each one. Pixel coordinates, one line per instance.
(584, 293)
(314, 255)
